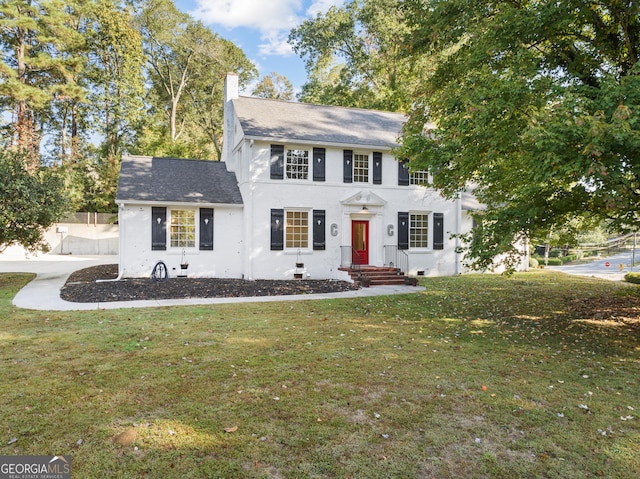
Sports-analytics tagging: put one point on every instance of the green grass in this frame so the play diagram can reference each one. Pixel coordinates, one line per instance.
(478, 376)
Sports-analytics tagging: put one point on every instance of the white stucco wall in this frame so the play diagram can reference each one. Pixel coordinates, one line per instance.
(342, 204)
(137, 259)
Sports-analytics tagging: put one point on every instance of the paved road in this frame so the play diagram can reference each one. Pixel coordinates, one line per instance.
(599, 269)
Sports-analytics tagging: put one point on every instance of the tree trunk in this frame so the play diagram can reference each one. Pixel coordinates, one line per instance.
(26, 141)
(75, 140)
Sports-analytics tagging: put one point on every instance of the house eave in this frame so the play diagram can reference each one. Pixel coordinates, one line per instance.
(186, 204)
(319, 142)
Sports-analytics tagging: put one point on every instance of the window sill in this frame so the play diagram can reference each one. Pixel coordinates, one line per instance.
(175, 251)
(292, 252)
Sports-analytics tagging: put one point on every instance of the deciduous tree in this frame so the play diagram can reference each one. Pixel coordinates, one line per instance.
(274, 87)
(536, 105)
(354, 56)
(186, 66)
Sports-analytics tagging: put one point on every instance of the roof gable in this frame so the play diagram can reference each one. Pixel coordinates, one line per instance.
(280, 120)
(145, 178)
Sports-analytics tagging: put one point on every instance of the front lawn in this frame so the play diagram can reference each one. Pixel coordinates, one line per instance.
(478, 376)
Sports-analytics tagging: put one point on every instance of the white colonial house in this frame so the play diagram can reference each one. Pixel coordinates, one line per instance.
(302, 191)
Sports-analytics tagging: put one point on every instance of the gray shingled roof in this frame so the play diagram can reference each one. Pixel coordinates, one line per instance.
(144, 178)
(280, 120)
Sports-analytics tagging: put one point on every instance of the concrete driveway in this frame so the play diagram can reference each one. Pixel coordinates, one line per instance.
(52, 272)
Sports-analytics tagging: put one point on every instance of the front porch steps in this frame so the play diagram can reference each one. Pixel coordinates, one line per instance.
(379, 276)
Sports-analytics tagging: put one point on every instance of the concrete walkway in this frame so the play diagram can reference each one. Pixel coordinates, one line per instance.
(43, 293)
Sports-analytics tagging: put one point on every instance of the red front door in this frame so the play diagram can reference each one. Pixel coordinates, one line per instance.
(360, 242)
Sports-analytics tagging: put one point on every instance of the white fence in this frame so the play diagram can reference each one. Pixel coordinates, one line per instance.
(78, 238)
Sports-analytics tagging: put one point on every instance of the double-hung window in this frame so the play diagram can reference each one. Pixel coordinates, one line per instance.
(413, 230)
(418, 230)
(177, 228)
(296, 229)
(182, 229)
(297, 164)
(360, 168)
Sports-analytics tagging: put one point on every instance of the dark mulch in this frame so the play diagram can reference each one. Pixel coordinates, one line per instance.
(81, 287)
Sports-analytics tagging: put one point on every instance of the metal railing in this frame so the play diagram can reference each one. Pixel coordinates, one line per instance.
(396, 258)
(350, 258)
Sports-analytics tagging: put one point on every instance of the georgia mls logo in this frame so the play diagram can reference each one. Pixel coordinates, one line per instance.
(62, 463)
(35, 467)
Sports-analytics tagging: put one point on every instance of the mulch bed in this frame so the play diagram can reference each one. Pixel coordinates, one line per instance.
(81, 287)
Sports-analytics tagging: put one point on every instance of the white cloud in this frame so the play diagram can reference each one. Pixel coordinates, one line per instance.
(321, 6)
(265, 15)
(275, 44)
(274, 19)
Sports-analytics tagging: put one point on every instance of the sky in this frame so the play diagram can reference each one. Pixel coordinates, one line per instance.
(260, 28)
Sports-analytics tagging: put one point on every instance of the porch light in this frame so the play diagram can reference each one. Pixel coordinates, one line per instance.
(364, 208)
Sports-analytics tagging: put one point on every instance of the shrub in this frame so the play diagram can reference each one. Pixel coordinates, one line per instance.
(554, 262)
(568, 258)
(533, 263)
(632, 278)
(555, 253)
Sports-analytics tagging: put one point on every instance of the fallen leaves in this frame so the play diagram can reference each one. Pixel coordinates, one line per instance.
(125, 438)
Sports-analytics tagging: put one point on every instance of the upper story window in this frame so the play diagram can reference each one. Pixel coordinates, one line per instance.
(419, 178)
(297, 164)
(182, 231)
(406, 177)
(360, 168)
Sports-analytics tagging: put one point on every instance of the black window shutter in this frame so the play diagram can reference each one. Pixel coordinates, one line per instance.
(403, 173)
(438, 231)
(206, 229)
(277, 162)
(319, 235)
(348, 166)
(377, 168)
(158, 228)
(403, 230)
(277, 230)
(319, 155)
